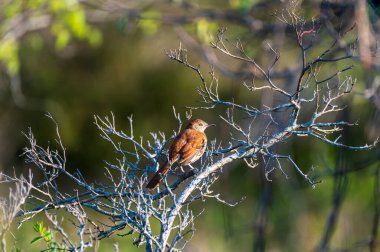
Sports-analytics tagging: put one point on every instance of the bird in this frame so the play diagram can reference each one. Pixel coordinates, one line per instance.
(186, 148)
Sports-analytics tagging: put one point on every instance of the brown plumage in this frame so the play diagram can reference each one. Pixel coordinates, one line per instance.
(186, 148)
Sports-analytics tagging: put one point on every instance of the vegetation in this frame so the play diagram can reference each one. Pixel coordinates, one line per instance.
(293, 89)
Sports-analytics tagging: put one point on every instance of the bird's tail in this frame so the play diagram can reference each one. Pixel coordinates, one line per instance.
(153, 183)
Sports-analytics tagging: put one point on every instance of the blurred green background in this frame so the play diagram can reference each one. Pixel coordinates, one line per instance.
(85, 63)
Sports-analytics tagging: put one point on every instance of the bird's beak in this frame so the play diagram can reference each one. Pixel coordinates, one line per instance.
(211, 125)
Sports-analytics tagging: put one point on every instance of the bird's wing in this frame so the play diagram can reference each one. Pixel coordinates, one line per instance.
(176, 147)
(195, 142)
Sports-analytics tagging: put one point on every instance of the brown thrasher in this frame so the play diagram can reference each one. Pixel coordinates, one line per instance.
(186, 148)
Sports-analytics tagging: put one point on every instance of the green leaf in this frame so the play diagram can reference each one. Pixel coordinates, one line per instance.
(57, 5)
(43, 230)
(37, 227)
(121, 24)
(55, 245)
(48, 236)
(150, 22)
(76, 21)
(205, 29)
(243, 5)
(9, 55)
(36, 239)
(95, 37)
(12, 9)
(62, 40)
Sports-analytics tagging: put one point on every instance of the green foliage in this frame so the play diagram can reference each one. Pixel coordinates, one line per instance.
(70, 22)
(9, 55)
(149, 22)
(242, 5)
(11, 9)
(46, 235)
(67, 21)
(205, 29)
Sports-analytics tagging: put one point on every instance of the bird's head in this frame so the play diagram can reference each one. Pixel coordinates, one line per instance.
(198, 124)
